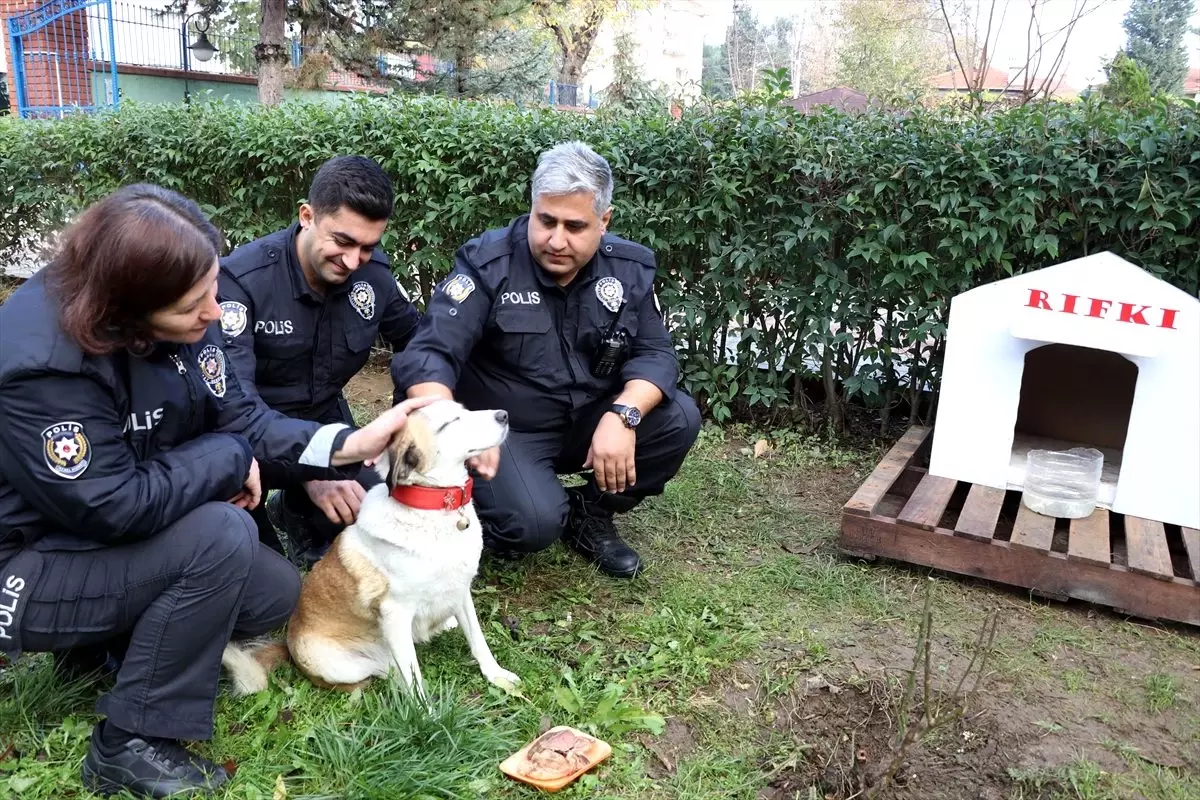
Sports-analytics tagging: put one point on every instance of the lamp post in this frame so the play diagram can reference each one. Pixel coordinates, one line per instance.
(202, 49)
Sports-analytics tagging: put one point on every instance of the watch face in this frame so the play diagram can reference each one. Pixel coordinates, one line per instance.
(633, 417)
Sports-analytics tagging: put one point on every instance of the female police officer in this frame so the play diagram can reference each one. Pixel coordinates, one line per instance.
(128, 455)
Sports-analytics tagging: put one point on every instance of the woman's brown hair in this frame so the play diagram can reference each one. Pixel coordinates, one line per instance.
(136, 251)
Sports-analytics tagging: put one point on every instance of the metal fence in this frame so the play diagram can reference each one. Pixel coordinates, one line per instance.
(147, 37)
(565, 94)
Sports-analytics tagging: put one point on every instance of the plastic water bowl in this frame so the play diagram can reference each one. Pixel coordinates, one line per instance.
(1063, 483)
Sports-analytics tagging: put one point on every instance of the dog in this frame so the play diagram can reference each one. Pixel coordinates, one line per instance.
(401, 573)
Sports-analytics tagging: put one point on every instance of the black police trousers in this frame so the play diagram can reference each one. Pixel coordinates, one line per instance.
(524, 508)
(178, 597)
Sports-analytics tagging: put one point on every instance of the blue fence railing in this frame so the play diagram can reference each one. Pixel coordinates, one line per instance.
(566, 94)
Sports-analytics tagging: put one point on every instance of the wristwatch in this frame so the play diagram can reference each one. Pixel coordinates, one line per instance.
(628, 414)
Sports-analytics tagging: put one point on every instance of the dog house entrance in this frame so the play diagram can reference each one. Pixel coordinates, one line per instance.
(1074, 396)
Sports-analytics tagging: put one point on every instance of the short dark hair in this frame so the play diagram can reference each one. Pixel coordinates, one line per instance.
(353, 182)
(136, 251)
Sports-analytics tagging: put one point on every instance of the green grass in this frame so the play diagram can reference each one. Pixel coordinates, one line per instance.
(687, 671)
(1082, 779)
(1162, 691)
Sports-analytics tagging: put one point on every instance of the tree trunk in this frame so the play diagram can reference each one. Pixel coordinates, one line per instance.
(569, 77)
(271, 53)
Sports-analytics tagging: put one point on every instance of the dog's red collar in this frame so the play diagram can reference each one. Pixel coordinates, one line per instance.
(434, 498)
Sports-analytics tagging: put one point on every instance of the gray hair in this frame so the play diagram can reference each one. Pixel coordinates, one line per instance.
(574, 167)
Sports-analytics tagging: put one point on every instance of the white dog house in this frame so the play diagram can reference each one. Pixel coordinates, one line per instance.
(1094, 351)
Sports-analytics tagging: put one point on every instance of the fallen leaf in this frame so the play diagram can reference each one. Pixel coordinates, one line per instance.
(280, 792)
(761, 448)
(231, 767)
(286, 715)
(801, 549)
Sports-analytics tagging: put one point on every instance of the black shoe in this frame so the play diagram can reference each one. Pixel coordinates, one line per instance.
(149, 768)
(294, 533)
(492, 547)
(591, 533)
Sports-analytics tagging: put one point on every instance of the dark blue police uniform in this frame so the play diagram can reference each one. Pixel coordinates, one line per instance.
(502, 334)
(298, 349)
(114, 476)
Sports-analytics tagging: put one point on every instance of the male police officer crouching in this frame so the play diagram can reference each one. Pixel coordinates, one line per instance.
(300, 310)
(128, 457)
(556, 321)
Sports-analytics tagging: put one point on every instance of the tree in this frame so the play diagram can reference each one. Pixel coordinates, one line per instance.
(1127, 82)
(751, 48)
(888, 47)
(1156, 31)
(575, 25)
(271, 52)
(485, 50)
(1045, 48)
(714, 74)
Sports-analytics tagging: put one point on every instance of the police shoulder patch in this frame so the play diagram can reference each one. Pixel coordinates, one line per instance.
(233, 318)
(212, 369)
(362, 299)
(459, 288)
(67, 449)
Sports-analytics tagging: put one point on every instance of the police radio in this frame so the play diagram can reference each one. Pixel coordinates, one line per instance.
(612, 347)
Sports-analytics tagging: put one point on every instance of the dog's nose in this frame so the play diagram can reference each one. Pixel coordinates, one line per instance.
(502, 417)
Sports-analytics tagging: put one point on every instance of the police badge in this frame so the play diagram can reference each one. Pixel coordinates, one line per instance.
(459, 288)
(212, 369)
(362, 297)
(611, 292)
(67, 449)
(233, 318)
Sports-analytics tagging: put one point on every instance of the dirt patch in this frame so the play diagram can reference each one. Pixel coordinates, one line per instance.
(370, 391)
(675, 743)
(848, 741)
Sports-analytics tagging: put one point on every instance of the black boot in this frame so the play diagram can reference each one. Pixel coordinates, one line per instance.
(296, 536)
(147, 767)
(591, 533)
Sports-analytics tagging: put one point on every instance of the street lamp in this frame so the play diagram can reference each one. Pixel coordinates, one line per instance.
(202, 49)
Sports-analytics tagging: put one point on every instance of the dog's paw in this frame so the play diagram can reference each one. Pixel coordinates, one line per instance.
(506, 680)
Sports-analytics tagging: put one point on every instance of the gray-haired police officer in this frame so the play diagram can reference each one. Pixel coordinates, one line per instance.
(556, 321)
(300, 310)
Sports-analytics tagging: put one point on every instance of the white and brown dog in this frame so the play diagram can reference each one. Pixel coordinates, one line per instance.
(402, 572)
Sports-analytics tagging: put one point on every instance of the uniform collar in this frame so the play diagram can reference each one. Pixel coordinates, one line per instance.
(300, 286)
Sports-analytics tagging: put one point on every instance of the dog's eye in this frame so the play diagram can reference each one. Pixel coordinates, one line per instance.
(445, 425)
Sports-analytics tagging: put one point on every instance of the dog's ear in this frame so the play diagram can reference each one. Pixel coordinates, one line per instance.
(409, 451)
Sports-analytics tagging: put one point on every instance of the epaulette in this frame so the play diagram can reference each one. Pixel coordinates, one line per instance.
(616, 247)
(493, 244)
(255, 255)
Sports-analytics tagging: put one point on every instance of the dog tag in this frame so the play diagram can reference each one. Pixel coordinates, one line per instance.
(463, 522)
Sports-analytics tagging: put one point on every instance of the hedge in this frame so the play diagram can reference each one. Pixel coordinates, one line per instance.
(796, 252)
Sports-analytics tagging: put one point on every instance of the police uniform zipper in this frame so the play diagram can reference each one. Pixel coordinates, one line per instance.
(192, 404)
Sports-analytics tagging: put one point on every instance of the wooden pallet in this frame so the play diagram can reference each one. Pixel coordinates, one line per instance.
(1137, 566)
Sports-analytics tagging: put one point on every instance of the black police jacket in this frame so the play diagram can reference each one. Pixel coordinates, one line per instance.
(102, 450)
(501, 334)
(298, 349)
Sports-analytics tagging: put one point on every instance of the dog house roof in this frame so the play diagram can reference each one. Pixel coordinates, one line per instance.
(1100, 301)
